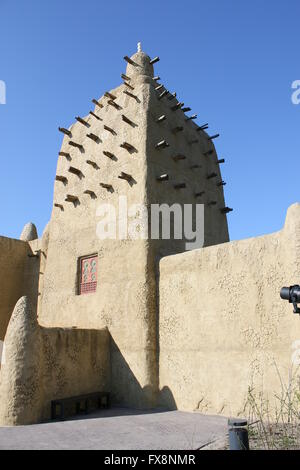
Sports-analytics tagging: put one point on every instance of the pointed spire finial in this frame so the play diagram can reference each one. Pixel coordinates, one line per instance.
(139, 47)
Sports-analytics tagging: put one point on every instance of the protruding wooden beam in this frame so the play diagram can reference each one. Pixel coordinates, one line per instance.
(209, 152)
(164, 177)
(127, 120)
(60, 206)
(213, 136)
(125, 176)
(65, 154)
(186, 110)
(90, 193)
(180, 186)
(109, 129)
(125, 77)
(71, 198)
(74, 144)
(65, 131)
(161, 118)
(172, 96)
(164, 93)
(115, 105)
(61, 178)
(202, 128)
(222, 160)
(97, 103)
(194, 116)
(95, 116)
(177, 129)
(162, 144)
(130, 94)
(221, 183)
(93, 164)
(127, 146)
(75, 171)
(154, 60)
(156, 78)
(130, 61)
(212, 203)
(129, 86)
(211, 175)
(159, 87)
(177, 106)
(109, 155)
(199, 194)
(110, 95)
(226, 210)
(109, 187)
(195, 167)
(94, 137)
(178, 157)
(82, 121)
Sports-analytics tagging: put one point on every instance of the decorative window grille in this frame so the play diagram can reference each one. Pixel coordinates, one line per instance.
(88, 274)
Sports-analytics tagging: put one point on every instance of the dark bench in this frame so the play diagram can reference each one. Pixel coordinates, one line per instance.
(102, 399)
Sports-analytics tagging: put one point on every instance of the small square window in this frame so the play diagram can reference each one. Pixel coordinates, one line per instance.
(88, 274)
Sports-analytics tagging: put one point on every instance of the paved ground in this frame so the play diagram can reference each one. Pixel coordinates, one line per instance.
(119, 428)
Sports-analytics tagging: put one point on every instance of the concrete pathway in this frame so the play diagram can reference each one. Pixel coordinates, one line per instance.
(121, 429)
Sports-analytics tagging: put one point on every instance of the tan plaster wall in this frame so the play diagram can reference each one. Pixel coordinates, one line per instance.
(222, 324)
(18, 276)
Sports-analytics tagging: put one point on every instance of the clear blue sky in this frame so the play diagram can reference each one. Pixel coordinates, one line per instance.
(232, 61)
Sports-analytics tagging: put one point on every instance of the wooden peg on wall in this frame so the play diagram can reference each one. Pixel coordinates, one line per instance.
(211, 175)
(162, 144)
(177, 106)
(97, 103)
(125, 176)
(172, 96)
(93, 164)
(109, 155)
(125, 77)
(110, 95)
(179, 157)
(115, 105)
(90, 193)
(180, 186)
(164, 93)
(74, 144)
(159, 87)
(222, 160)
(130, 61)
(213, 136)
(129, 86)
(94, 137)
(63, 179)
(194, 116)
(75, 171)
(128, 146)
(109, 129)
(109, 187)
(82, 121)
(127, 120)
(226, 210)
(164, 177)
(221, 183)
(95, 116)
(71, 198)
(161, 118)
(199, 194)
(60, 206)
(65, 154)
(156, 78)
(153, 61)
(130, 94)
(185, 110)
(65, 131)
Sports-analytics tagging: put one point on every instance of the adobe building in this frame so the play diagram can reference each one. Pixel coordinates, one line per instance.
(146, 319)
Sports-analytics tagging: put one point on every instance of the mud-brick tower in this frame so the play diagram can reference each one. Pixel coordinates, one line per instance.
(139, 143)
